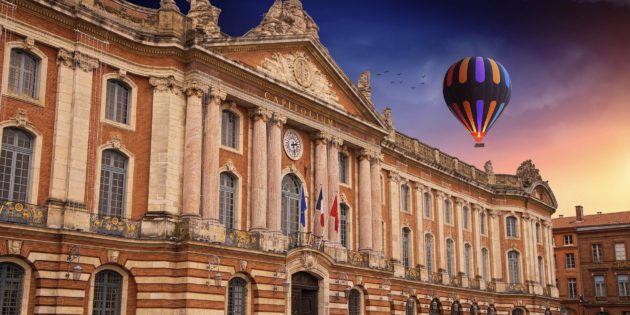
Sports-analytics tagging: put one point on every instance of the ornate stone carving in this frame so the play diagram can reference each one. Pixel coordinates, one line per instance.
(168, 5)
(14, 247)
(218, 94)
(297, 70)
(85, 62)
(308, 261)
(64, 58)
(365, 84)
(29, 43)
(195, 88)
(204, 19)
(285, 18)
(115, 142)
(336, 142)
(321, 137)
(20, 119)
(278, 119)
(528, 173)
(489, 168)
(260, 113)
(167, 84)
(389, 123)
(112, 256)
(394, 177)
(229, 166)
(122, 73)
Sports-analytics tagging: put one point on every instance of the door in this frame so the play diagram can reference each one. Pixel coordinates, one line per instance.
(304, 291)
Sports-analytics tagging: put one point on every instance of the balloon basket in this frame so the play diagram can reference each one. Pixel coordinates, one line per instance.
(480, 145)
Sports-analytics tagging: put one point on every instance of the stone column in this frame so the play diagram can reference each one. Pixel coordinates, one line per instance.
(167, 139)
(394, 202)
(534, 246)
(274, 171)
(440, 244)
(211, 149)
(419, 192)
(365, 202)
(476, 210)
(321, 181)
(377, 205)
(259, 170)
(548, 253)
(333, 186)
(495, 250)
(459, 210)
(192, 152)
(526, 239)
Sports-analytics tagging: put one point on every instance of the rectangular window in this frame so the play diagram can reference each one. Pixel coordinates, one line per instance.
(622, 281)
(568, 240)
(482, 222)
(620, 251)
(447, 212)
(600, 286)
(597, 252)
(572, 288)
(570, 258)
(344, 169)
(404, 198)
(427, 205)
(466, 218)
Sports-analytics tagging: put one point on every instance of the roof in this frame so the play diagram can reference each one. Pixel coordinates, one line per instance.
(593, 220)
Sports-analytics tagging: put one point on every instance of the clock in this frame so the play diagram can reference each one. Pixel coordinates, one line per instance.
(293, 144)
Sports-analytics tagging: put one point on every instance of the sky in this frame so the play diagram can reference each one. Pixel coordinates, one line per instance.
(569, 61)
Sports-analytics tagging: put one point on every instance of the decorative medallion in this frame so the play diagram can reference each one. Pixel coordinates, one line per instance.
(293, 144)
(15, 247)
(302, 72)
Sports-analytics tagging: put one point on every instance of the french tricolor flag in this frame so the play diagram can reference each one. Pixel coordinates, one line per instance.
(319, 208)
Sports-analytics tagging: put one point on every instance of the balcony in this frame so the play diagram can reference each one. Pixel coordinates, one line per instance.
(242, 239)
(114, 226)
(306, 240)
(516, 288)
(23, 213)
(414, 274)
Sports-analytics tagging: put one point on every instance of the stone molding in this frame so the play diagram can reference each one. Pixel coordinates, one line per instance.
(285, 18)
(218, 94)
(166, 85)
(77, 60)
(321, 137)
(195, 88)
(260, 113)
(278, 119)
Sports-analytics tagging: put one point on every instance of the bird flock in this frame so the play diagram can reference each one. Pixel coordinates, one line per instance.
(399, 79)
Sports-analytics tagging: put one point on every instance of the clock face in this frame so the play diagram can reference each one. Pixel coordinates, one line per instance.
(293, 144)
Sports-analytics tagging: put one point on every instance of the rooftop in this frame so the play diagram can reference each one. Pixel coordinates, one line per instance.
(593, 220)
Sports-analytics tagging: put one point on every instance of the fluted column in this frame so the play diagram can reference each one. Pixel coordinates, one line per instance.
(526, 238)
(321, 179)
(495, 251)
(440, 242)
(365, 202)
(192, 151)
(212, 145)
(259, 170)
(377, 204)
(419, 192)
(459, 205)
(476, 213)
(333, 185)
(274, 171)
(394, 205)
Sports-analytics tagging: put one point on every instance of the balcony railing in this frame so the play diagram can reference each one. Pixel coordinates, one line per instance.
(413, 273)
(491, 286)
(358, 259)
(435, 277)
(516, 288)
(474, 283)
(242, 239)
(23, 213)
(114, 226)
(306, 240)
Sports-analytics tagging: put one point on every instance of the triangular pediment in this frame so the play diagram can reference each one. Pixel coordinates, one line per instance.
(303, 65)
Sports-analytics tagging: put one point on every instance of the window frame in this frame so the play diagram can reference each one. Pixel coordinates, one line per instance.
(107, 212)
(125, 287)
(483, 223)
(427, 205)
(36, 143)
(466, 218)
(132, 101)
(429, 252)
(625, 286)
(26, 281)
(42, 72)
(448, 212)
(344, 224)
(569, 260)
(359, 299)
(511, 231)
(620, 245)
(485, 264)
(4, 280)
(347, 170)
(597, 254)
(568, 240)
(234, 128)
(405, 198)
(285, 211)
(572, 288)
(407, 253)
(600, 286)
(514, 271)
(129, 179)
(245, 297)
(449, 248)
(235, 196)
(14, 150)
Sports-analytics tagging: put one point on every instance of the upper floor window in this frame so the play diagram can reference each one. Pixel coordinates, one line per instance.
(450, 258)
(227, 200)
(11, 282)
(514, 267)
(107, 293)
(572, 286)
(596, 249)
(23, 73)
(511, 226)
(570, 260)
(541, 274)
(466, 219)
(600, 286)
(428, 252)
(538, 233)
(468, 259)
(290, 204)
(344, 168)
(448, 212)
(237, 297)
(427, 205)
(229, 129)
(118, 100)
(343, 224)
(404, 198)
(482, 222)
(15, 164)
(113, 184)
(354, 302)
(406, 244)
(620, 251)
(485, 264)
(622, 282)
(568, 240)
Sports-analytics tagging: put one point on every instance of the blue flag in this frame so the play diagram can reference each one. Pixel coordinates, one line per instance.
(303, 208)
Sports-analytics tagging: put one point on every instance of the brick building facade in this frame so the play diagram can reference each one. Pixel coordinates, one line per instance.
(153, 165)
(592, 266)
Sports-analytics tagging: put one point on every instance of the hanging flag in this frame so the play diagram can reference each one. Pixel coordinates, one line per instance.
(319, 207)
(303, 208)
(334, 212)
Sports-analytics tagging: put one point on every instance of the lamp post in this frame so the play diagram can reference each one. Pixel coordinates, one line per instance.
(213, 262)
(74, 256)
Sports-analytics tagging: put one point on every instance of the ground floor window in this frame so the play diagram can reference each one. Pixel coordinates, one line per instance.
(11, 279)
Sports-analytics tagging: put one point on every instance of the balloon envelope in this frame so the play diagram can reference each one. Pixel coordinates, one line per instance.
(477, 91)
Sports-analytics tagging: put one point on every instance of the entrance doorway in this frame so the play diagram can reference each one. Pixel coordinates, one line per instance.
(304, 292)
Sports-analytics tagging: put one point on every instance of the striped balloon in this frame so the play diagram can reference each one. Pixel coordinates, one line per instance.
(477, 91)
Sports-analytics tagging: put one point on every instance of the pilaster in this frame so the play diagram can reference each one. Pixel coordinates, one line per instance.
(211, 148)
(394, 201)
(377, 205)
(321, 140)
(259, 169)
(333, 184)
(274, 201)
(192, 151)
(365, 202)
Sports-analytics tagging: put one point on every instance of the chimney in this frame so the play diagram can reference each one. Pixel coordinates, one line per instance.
(599, 212)
(561, 216)
(579, 213)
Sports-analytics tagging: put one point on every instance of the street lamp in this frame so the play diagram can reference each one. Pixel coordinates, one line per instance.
(213, 262)
(74, 255)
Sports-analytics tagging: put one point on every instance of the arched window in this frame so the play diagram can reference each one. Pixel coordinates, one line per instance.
(343, 224)
(290, 204)
(448, 212)
(113, 184)
(518, 311)
(15, 165)
(404, 198)
(435, 308)
(410, 307)
(11, 281)
(474, 309)
(406, 247)
(107, 293)
(118, 100)
(548, 311)
(456, 308)
(227, 199)
(354, 302)
(428, 252)
(538, 233)
(450, 268)
(229, 129)
(541, 275)
(485, 264)
(511, 226)
(468, 260)
(237, 297)
(491, 310)
(344, 168)
(466, 219)
(427, 205)
(23, 73)
(514, 267)
(482, 222)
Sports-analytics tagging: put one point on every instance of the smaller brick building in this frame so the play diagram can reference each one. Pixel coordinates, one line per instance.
(592, 266)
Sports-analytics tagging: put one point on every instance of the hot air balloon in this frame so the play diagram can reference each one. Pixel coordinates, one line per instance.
(477, 91)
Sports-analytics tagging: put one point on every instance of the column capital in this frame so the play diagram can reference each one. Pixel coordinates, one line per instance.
(366, 154)
(166, 84)
(378, 158)
(545, 223)
(277, 119)
(65, 58)
(526, 217)
(77, 60)
(459, 201)
(394, 177)
(440, 195)
(321, 137)
(336, 142)
(218, 94)
(260, 113)
(476, 207)
(195, 88)
(494, 213)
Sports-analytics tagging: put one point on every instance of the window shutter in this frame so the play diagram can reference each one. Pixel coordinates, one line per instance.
(14, 71)
(28, 76)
